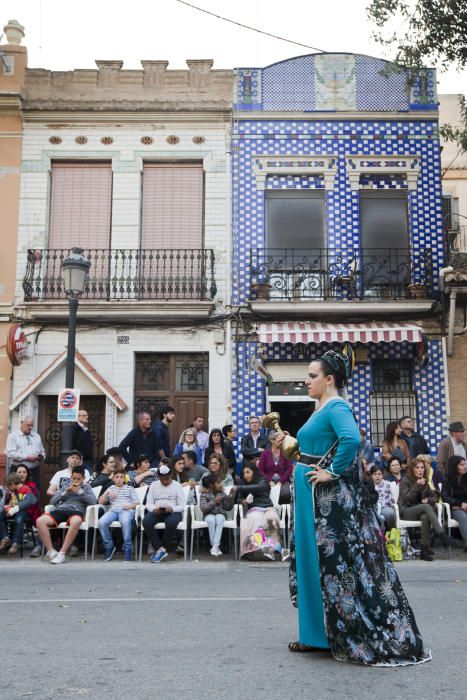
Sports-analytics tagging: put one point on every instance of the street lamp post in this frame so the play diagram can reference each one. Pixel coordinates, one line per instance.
(75, 269)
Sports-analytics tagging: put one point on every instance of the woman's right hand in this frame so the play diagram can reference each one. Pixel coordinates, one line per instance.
(421, 481)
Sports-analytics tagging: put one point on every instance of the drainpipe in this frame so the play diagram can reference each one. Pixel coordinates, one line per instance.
(229, 261)
(442, 272)
(452, 320)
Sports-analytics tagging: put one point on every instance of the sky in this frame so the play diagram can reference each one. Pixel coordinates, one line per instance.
(62, 35)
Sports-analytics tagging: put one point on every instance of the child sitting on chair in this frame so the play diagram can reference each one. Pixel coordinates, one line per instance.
(123, 501)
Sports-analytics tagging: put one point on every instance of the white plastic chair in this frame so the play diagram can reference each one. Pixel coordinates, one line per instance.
(141, 493)
(281, 510)
(450, 521)
(90, 521)
(182, 526)
(198, 522)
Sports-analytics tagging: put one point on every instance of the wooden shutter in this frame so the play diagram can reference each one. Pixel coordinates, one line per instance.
(172, 215)
(295, 219)
(383, 220)
(80, 207)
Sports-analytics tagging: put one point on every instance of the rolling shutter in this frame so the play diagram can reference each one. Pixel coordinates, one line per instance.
(80, 205)
(172, 215)
(295, 219)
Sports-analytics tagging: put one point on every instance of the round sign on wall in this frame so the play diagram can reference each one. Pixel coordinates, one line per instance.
(16, 345)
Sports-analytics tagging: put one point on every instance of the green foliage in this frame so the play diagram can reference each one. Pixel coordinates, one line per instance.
(421, 31)
(457, 134)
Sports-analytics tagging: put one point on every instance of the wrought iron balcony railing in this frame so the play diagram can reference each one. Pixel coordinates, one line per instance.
(371, 275)
(165, 274)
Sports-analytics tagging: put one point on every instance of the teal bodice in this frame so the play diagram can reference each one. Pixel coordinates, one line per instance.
(333, 421)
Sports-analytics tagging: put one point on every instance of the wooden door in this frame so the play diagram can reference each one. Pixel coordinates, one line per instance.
(50, 431)
(180, 379)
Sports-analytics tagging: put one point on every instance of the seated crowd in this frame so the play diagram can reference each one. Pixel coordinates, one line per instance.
(141, 474)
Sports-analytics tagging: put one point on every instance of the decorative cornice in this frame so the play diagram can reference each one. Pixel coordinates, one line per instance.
(409, 166)
(149, 116)
(295, 165)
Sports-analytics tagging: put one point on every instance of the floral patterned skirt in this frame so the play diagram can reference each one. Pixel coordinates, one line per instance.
(367, 616)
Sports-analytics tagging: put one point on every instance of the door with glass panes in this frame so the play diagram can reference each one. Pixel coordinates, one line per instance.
(179, 379)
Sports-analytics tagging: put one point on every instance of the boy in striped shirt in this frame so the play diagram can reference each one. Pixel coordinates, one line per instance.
(123, 501)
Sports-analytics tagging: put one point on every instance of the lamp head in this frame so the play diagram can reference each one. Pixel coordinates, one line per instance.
(75, 269)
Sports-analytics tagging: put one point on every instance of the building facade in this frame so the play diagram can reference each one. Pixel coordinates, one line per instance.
(454, 169)
(132, 167)
(337, 235)
(13, 61)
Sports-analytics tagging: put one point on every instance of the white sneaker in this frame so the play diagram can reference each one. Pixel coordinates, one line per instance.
(213, 551)
(59, 559)
(218, 551)
(51, 554)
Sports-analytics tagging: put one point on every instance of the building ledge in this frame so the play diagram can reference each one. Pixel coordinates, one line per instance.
(315, 309)
(127, 310)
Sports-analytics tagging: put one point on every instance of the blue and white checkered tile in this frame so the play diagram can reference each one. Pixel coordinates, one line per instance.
(428, 382)
(383, 182)
(248, 389)
(294, 182)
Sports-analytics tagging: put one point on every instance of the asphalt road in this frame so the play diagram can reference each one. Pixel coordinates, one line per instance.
(206, 629)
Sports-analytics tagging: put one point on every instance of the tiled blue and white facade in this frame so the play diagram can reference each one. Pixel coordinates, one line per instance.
(292, 109)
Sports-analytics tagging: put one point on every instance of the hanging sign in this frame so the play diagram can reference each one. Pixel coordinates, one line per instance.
(68, 405)
(16, 345)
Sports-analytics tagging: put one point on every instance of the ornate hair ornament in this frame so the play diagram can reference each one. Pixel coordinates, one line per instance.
(342, 363)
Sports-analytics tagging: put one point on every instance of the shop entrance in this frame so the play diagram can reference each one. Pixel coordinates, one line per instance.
(294, 414)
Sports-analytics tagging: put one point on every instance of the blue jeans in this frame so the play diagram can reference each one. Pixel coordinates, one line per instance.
(125, 518)
(18, 521)
(215, 526)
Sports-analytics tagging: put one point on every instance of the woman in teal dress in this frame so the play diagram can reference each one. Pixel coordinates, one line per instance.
(348, 594)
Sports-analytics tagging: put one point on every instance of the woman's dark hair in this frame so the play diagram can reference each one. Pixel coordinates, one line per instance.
(215, 431)
(102, 462)
(256, 473)
(175, 459)
(181, 477)
(223, 468)
(391, 430)
(17, 466)
(211, 479)
(114, 452)
(376, 468)
(142, 458)
(451, 469)
(339, 365)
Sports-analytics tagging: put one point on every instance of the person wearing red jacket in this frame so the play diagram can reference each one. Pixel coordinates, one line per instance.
(17, 501)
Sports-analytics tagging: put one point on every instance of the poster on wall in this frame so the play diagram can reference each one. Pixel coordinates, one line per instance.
(68, 405)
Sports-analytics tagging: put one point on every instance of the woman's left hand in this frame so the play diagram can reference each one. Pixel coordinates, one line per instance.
(318, 476)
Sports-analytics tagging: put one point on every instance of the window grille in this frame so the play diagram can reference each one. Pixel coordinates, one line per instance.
(392, 396)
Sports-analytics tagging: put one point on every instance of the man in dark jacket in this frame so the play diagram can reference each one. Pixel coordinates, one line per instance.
(253, 443)
(82, 439)
(160, 428)
(415, 442)
(141, 440)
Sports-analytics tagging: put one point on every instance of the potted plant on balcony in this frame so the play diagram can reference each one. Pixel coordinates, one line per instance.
(417, 290)
(262, 288)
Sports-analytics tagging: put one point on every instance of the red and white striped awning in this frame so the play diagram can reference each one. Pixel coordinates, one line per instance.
(311, 332)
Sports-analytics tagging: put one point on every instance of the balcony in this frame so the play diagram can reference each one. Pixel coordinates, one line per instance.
(360, 279)
(140, 281)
